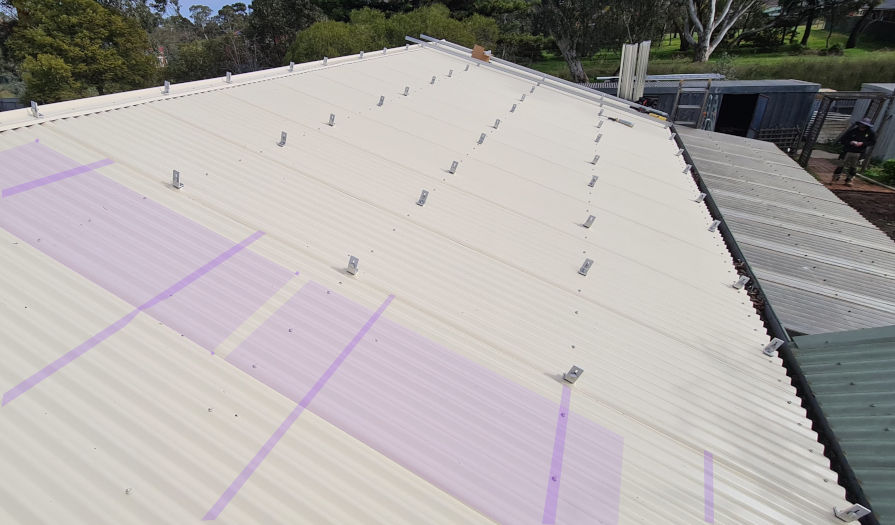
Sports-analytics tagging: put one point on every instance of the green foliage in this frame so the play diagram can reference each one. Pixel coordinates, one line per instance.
(49, 78)
(723, 65)
(523, 48)
(370, 29)
(82, 46)
(884, 172)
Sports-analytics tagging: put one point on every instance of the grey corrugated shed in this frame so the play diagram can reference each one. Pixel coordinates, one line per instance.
(823, 267)
(851, 375)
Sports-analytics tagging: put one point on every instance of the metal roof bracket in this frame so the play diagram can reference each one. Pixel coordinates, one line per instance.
(593, 181)
(573, 374)
(282, 141)
(741, 282)
(175, 180)
(453, 167)
(352, 264)
(332, 119)
(589, 222)
(714, 225)
(423, 196)
(586, 266)
(772, 347)
(853, 513)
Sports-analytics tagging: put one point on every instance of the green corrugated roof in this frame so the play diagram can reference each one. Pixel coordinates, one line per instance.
(852, 375)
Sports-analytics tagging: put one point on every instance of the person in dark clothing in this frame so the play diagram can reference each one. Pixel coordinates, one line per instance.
(855, 141)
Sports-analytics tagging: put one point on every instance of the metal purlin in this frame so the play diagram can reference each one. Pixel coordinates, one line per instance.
(825, 434)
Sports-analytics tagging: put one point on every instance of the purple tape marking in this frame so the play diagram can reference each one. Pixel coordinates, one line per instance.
(249, 469)
(559, 445)
(67, 358)
(243, 476)
(81, 349)
(476, 435)
(312, 393)
(709, 481)
(49, 179)
(31, 161)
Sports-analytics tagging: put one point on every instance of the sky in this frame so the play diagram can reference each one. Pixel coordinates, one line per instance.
(215, 5)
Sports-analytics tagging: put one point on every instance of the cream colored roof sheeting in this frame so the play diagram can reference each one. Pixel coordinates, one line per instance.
(487, 268)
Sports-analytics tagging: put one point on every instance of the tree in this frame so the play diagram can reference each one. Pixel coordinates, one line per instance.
(710, 24)
(371, 29)
(861, 24)
(274, 24)
(575, 26)
(84, 47)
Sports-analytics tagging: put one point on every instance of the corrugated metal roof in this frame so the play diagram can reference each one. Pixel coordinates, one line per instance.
(823, 267)
(851, 375)
(179, 367)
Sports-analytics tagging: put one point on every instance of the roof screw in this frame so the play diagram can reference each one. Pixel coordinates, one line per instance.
(228, 77)
(593, 181)
(423, 196)
(332, 119)
(453, 167)
(741, 282)
(572, 375)
(481, 138)
(128, 491)
(450, 73)
(35, 112)
(679, 152)
(714, 225)
(772, 347)
(406, 90)
(282, 141)
(352, 264)
(291, 66)
(523, 98)
(496, 123)
(589, 222)
(513, 109)
(175, 180)
(700, 197)
(167, 89)
(381, 100)
(433, 80)
(596, 158)
(586, 266)
(599, 137)
(687, 168)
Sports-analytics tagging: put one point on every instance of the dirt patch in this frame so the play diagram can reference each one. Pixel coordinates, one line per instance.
(876, 207)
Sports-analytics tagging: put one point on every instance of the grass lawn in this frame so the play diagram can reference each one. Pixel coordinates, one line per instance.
(870, 62)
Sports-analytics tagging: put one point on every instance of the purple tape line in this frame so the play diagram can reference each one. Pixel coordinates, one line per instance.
(49, 179)
(709, 480)
(559, 445)
(67, 358)
(476, 435)
(243, 476)
(81, 349)
(249, 469)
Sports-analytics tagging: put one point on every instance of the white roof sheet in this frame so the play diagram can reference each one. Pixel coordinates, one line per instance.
(173, 355)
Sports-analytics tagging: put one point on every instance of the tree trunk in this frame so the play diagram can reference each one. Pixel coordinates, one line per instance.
(571, 56)
(685, 44)
(859, 27)
(701, 52)
(808, 25)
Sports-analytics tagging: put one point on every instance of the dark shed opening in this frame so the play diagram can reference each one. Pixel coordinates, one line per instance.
(735, 114)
